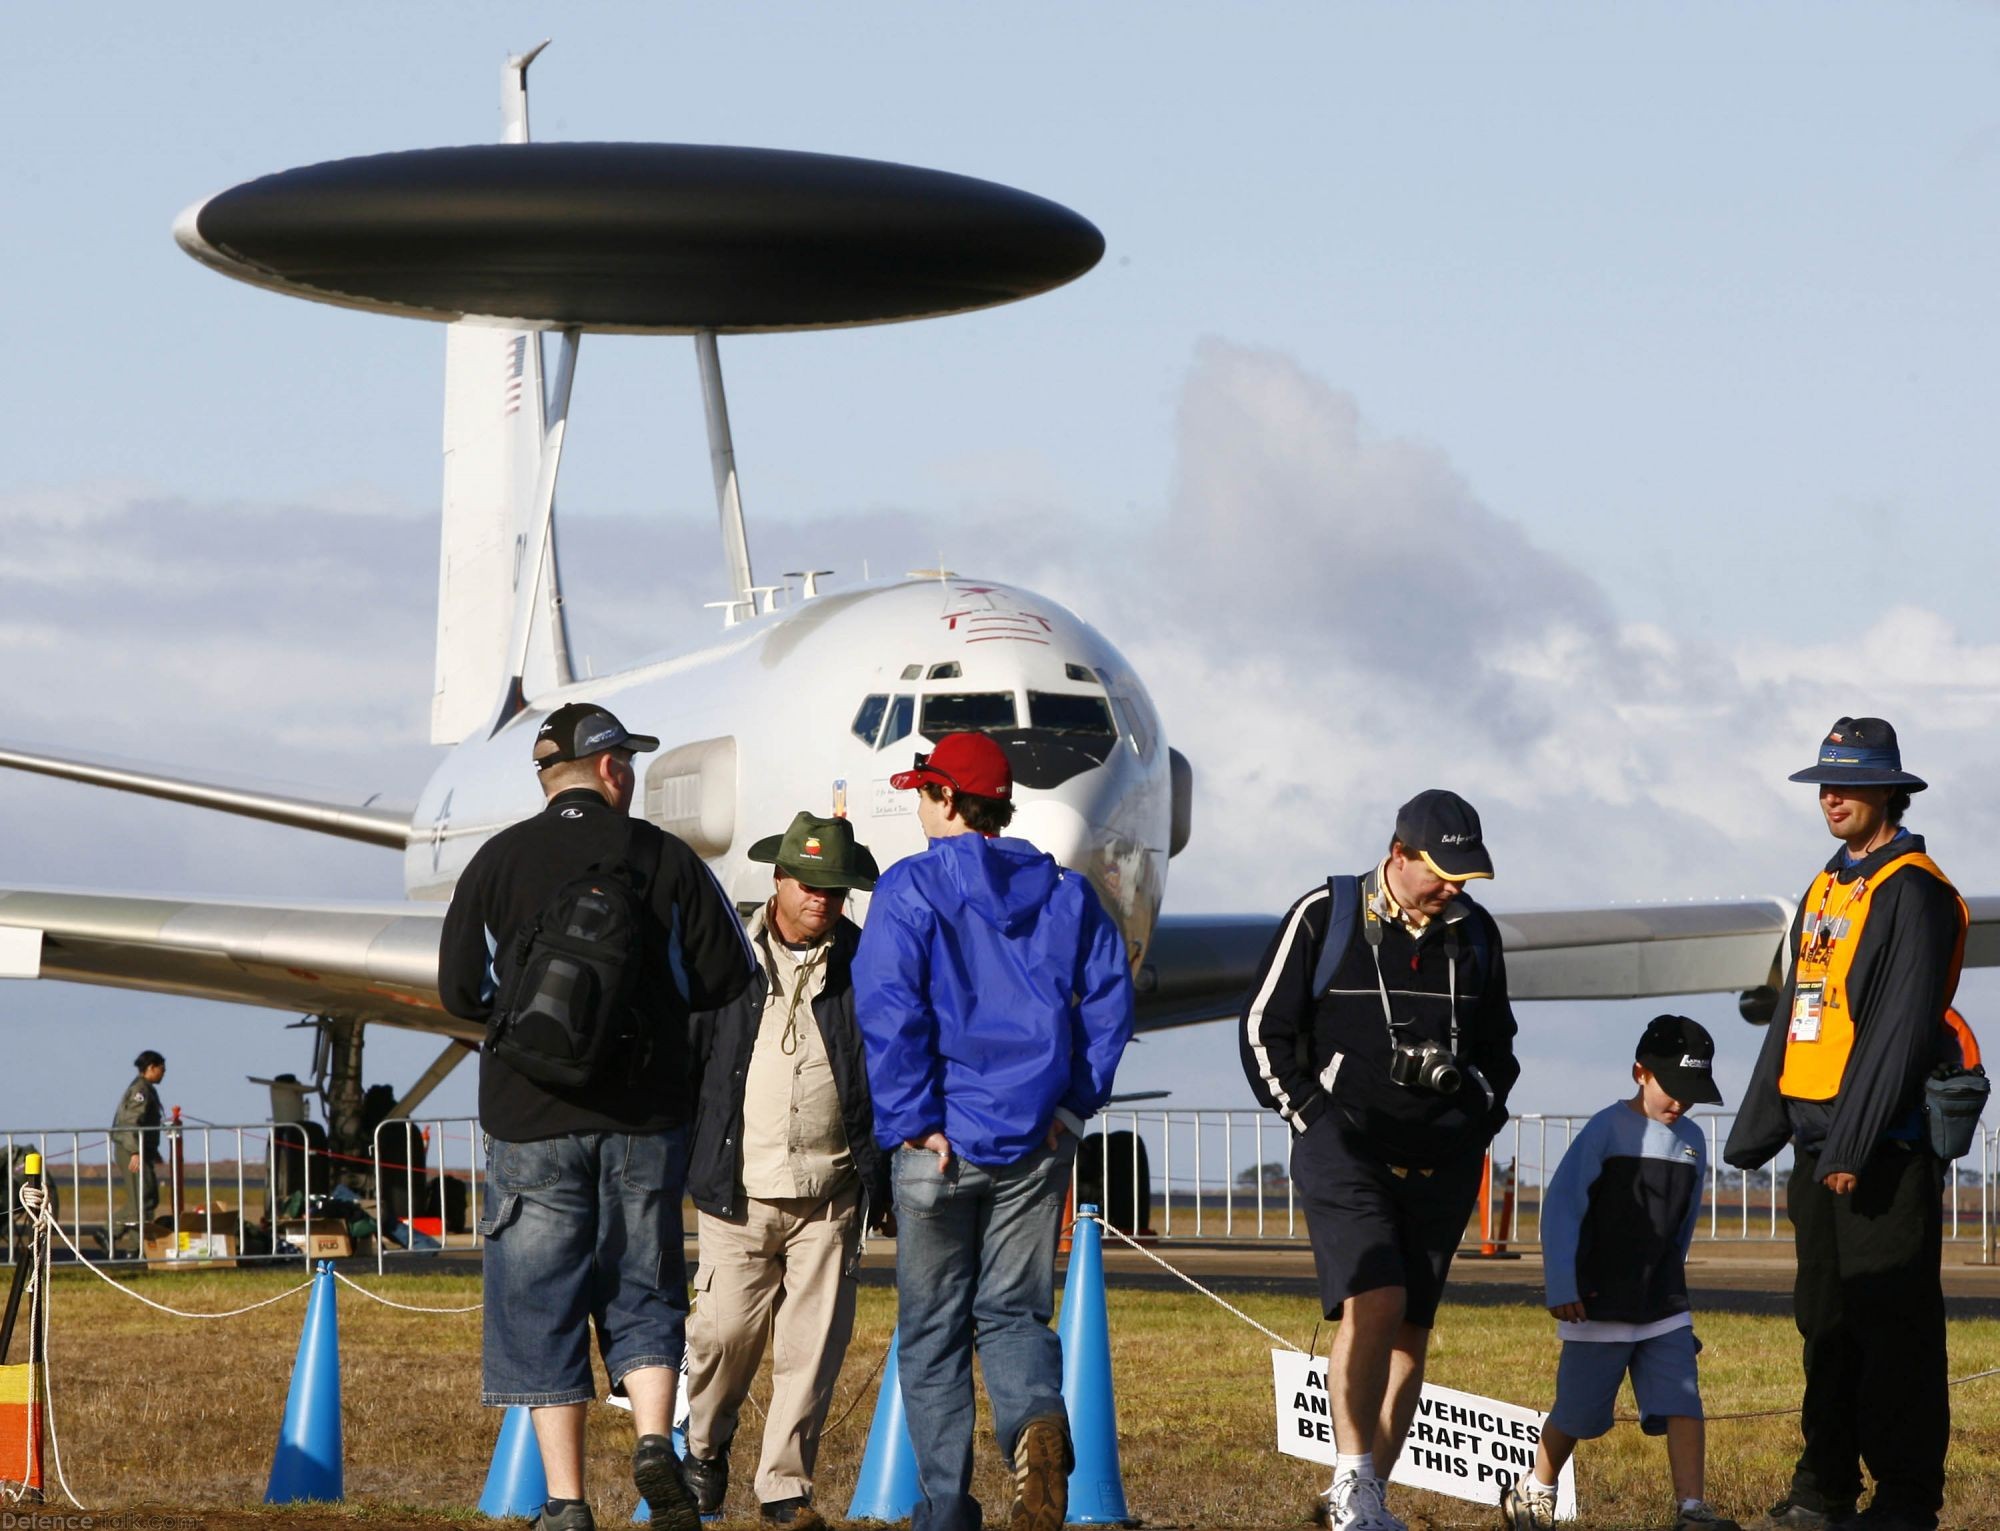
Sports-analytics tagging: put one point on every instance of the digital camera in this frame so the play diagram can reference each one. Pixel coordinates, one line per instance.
(1425, 1066)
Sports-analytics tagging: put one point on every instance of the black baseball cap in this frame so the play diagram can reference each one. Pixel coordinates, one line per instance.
(1443, 828)
(1681, 1054)
(581, 729)
(1860, 752)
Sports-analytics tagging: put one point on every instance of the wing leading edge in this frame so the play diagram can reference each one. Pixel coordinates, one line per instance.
(371, 962)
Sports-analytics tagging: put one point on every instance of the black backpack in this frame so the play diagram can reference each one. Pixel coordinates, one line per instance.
(564, 1015)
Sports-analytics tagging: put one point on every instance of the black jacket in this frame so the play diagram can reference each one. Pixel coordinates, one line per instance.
(701, 961)
(1896, 992)
(722, 1041)
(1305, 1054)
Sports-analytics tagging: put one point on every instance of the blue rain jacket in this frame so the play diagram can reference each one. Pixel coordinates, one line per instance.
(991, 988)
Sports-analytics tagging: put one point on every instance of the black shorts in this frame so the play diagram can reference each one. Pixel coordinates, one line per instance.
(1372, 1227)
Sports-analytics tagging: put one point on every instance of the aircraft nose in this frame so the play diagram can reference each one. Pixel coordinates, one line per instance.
(1053, 826)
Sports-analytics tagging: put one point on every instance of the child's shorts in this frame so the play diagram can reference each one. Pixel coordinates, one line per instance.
(1663, 1382)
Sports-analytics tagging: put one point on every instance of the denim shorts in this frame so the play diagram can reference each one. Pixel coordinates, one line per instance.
(582, 1230)
(1663, 1382)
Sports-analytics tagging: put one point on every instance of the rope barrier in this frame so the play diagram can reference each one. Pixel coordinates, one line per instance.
(407, 1307)
(1184, 1276)
(50, 1223)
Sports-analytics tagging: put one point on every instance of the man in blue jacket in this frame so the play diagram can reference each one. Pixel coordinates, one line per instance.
(994, 1001)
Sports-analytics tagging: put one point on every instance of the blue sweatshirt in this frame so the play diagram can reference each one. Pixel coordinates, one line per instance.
(991, 989)
(1617, 1219)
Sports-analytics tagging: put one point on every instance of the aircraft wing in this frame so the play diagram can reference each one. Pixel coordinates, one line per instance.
(1200, 967)
(373, 962)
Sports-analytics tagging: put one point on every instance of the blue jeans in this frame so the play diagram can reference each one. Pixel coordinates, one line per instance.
(975, 1265)
(582, 1230)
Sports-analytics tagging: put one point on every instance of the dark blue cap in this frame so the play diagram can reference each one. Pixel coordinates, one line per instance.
(1861, 752)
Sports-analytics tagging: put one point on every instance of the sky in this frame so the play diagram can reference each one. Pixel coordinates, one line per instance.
(1580, 407)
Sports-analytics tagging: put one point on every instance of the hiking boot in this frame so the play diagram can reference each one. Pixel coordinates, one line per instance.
(708, 1477)
(1353, 1502)
(575, 1517)
(1700, 1517)
(656, 1472)
(1523, 1511)
(1790, 1515)
(793, 1514)
(1042, 1463)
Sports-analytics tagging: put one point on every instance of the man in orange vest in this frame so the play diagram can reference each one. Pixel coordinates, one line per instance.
(1875, 951)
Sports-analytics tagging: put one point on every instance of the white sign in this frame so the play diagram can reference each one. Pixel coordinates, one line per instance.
(1459, 1443)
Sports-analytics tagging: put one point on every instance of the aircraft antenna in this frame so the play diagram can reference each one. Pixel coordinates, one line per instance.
(722, 459)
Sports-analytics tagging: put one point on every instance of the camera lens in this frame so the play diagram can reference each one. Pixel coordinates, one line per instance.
(1444, 1077)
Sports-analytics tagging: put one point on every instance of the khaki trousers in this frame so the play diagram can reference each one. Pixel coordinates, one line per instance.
(786, 1270)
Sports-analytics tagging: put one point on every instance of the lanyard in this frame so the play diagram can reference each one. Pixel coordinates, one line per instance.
(1371, 927)
(794, 1034)
(1815, 947)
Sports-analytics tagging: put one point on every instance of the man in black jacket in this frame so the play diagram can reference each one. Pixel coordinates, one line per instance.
(1379, 1029)
(583, 1202)
(783, 1173)
(1875, 948)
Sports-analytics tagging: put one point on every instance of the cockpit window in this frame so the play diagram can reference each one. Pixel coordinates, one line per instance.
(949, 670)
(901, 713)
(1061, 713)
(968, 712)
(1078, 672)
(868, 721)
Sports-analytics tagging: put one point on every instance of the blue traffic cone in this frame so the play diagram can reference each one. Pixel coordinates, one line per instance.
(515, 1483)
(1096, 1487)
(308, 1461)
(888, 1488)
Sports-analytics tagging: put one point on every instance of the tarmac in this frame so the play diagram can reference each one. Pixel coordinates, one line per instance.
(1733, 1276)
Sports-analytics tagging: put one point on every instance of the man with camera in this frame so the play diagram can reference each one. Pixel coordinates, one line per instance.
(1379, 1030)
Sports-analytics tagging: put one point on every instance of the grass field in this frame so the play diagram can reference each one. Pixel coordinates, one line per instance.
(178, 1418)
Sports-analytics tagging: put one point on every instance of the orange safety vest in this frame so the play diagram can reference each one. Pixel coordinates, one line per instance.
(1820, 1030)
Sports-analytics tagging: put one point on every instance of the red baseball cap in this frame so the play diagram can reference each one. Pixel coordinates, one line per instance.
(964, 762)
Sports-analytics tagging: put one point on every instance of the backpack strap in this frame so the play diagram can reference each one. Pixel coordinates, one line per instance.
(1344, 899)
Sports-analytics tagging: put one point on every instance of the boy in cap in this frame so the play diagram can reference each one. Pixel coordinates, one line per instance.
(995, 1000)
(783, 1173)
(1617, 1219)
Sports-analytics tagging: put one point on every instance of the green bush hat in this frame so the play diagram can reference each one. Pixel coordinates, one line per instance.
(821, 853)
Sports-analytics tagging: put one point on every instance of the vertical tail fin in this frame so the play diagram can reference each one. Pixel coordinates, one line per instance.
(494, 431)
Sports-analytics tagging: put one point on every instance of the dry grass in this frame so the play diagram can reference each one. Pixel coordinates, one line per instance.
(156, 1411)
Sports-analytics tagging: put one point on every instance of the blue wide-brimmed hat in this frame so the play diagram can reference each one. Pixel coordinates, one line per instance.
(1861, 752)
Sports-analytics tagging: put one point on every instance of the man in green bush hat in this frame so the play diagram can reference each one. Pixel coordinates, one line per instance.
(784, 1172)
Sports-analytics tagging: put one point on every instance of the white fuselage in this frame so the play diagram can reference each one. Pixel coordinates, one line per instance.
(816, 705)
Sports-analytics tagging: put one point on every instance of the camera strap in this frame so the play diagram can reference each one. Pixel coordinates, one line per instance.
(1371, 927)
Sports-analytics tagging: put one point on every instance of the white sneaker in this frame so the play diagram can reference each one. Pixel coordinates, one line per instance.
(1354, 1503)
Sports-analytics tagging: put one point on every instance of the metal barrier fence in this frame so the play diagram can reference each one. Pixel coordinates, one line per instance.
(1192, 1174)
(1225, 1174)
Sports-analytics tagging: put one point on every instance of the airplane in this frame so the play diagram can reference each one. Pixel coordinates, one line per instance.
(810, 696)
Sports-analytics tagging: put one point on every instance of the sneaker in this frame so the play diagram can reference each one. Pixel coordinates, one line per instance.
(1042, 1463)
(1354, 1503)
(1523, 1511)
(1789, 1515)
(656, 1471)
(708, 1477)
(1701, 1517)
(793, 1514)
(575, 1517)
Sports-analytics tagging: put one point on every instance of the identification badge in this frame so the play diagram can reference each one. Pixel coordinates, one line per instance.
(1807, 1001)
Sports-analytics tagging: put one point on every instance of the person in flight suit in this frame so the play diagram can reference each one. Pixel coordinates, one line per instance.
(135, 1145)
(1876, 948)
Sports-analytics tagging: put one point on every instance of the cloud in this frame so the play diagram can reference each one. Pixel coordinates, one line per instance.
(1328, 619)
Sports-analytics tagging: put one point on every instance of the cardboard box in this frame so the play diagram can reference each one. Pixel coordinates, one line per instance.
(188, 1248)
(325, 1242)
